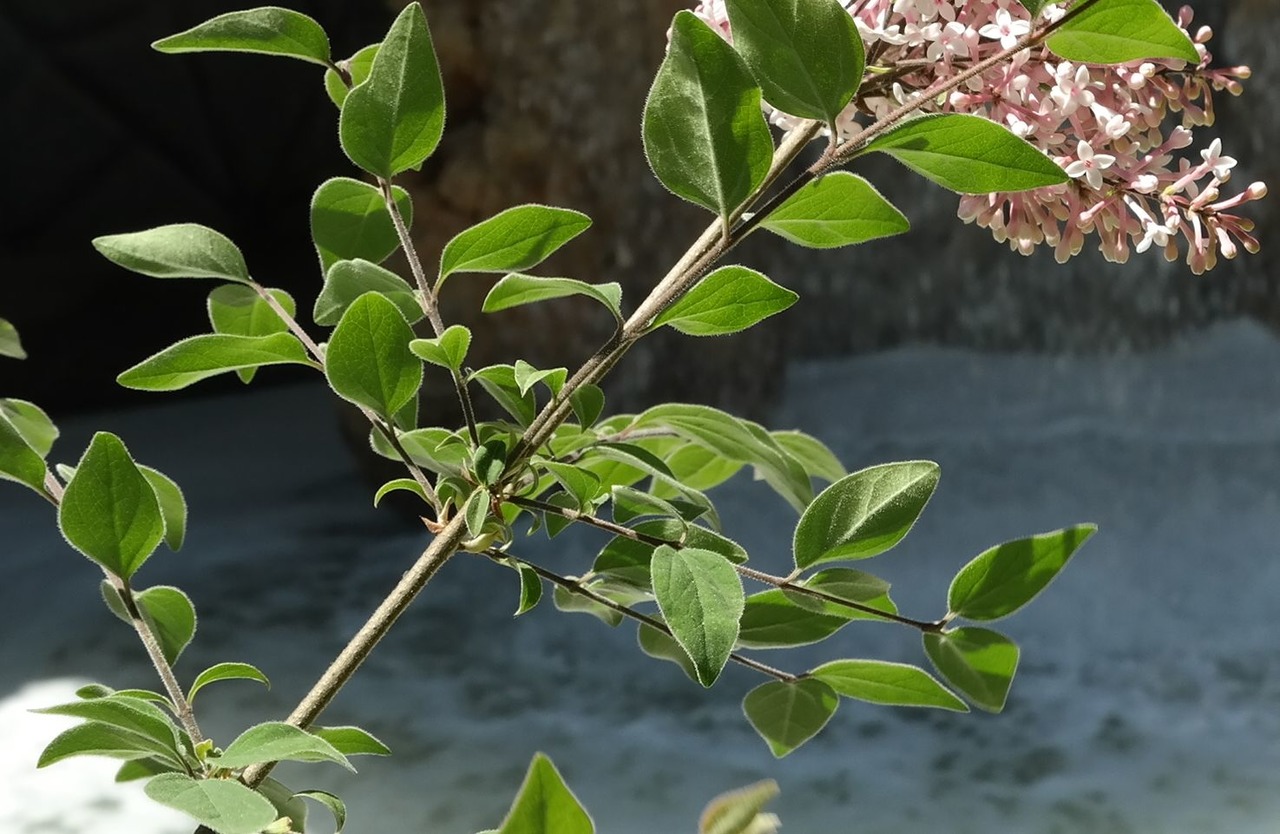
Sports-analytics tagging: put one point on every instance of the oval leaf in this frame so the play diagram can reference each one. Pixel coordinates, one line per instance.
(352, 741)
(393, 121)
(807, 55)
(839, 209)
(786, 715)
(173, 506)
(1119, 31)
(109, 511)
(545, 805)
(729, 300)
(892, 684)
(357, 67)
(348, 280)
(31, 423)
(224, 805)
(129, 714)
(276, 741)
(368, 360)
(226, 672)
(448, 350)
(200, 357)
(10, 342)
(269, 30)
(349, 220)
(167, 611)
(18, 461)
(335, 805)
(814, 455)
(516, 289)
(1008, 576)
(977, 661)
(662, 646)
(771, 620)
(864, 514)
(968, 154)
(704, 132)
(238, 310)
(94, 738)
(515, 239)
(701, 598)
(182, 250)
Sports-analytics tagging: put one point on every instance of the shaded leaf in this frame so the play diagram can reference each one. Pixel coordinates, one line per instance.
(18, 461)
(349, 221)
(500, 383)
(10, 342)
(516, 289)
(167, 611)
(346, 281)
(173, 506)
(588, 404)
(892, 684)
(818, 460)
(739, 811)
(662, 646)
(200, 357)
(1006, 577)
(336, 806)
(226, 672)
(770, 620)
(357, 66)
(31, 423)
(352, 741)
(238, 310)
(566, 600)
(786, 715)
(977, 661)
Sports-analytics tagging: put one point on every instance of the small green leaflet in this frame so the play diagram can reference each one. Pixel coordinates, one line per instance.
(701, 598)
(269, 30)
(513, 240)
(200, 357)
(167, 610)
(348, 280)
(368, 361)
(500, 382)
(786, 715)
(132, 715)
(349, 220)
(892, 684)
(516, 289)
(393, 121)
(18, 461)
(182, 250)
(275, 741)
(352, 741)
(807, 55)
(476, 512)
(814, 455)
(335, 805)
(729, 300)
(839, 209)
(977, 661)
(1119, 31)
(545, 805)
(527, 376)
(400, 484)
(968, 154)
(864, 514)
(237, 310)
(358, 66)
(489, 460)
(173, 506)
(1003, 579)
(530, 589)
(94, 738)
(566, 600)
(10, 343)
(771, 620)
(224, 805)
(109, 511)
(226, 672)
(448, 350)
(588, 404)
(739, 811)
(704, 132)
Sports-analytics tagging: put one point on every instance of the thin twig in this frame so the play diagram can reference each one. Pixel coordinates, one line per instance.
(290, 322)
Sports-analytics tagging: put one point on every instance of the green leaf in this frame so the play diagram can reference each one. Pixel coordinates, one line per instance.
(698, 467)
(500, 382)
(130, 715)
(977, 661)
(738, 812)
(662, 646)
(10, 342)
(224, 805)
(705, 135)
(109, 511)
(276, 741)
(1008, 576)
(516, 289)
(357, 66)
(729, 300)
(200, 357)
(269, 30)
(136, 769)
(1119, 31)
(18, 461)
(786, 715)
(864, 514)
(182, 250)
(393, 121)
(770, 620)
(352, 741)
(1034, 6)
(335, 805)
(476, 512)
(237, 310)
(892, 684)
(448, 350)
(838, 209)
(226, 672)
(530, 589)
(846, 584)
(545, 805)
(968, 154)
(527, 376)
(807, 55)
(513, 240)
(818, 460)
(629, 503)
(30, 421)
(578, 482)
(94, 738)
(349, 221)
(286, 804)
(346, 281)
(629, 560)
(406, 484)
(588, 404)
(368, 361)
(173, 506)
(167, 610)
(566, 600)
(489, 461)
(701, 598)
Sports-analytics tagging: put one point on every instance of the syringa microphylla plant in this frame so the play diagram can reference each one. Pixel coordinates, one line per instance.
(1048, 118)
(1108, 124)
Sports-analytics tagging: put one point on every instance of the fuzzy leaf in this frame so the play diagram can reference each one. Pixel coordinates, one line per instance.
(513, 240)
(545, 805)
(1119, 31)
(349, 220)
(448, 350)
(839, 209)
(18, 461)
(368, 361)
(173, 506)
(352, 741)
(237, 310)
(224, 805)
(771, 620)
(786, 715)
(1006, 577)
(200, 357)
(276, 741)
(269, 30)
(167, 610)
(358, 67)
(109, 511)
(977, 661)
(348, 280)
(182, 250)
(516, 289)
(729, 300)
(226, 672)
(701, 598)
(892, 684)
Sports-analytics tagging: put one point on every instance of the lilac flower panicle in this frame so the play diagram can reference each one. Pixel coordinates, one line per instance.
(1117, 131)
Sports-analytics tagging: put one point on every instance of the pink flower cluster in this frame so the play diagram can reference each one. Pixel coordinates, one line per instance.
(1108, 126)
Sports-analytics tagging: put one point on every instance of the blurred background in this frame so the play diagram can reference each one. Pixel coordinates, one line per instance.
(1138, 396)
